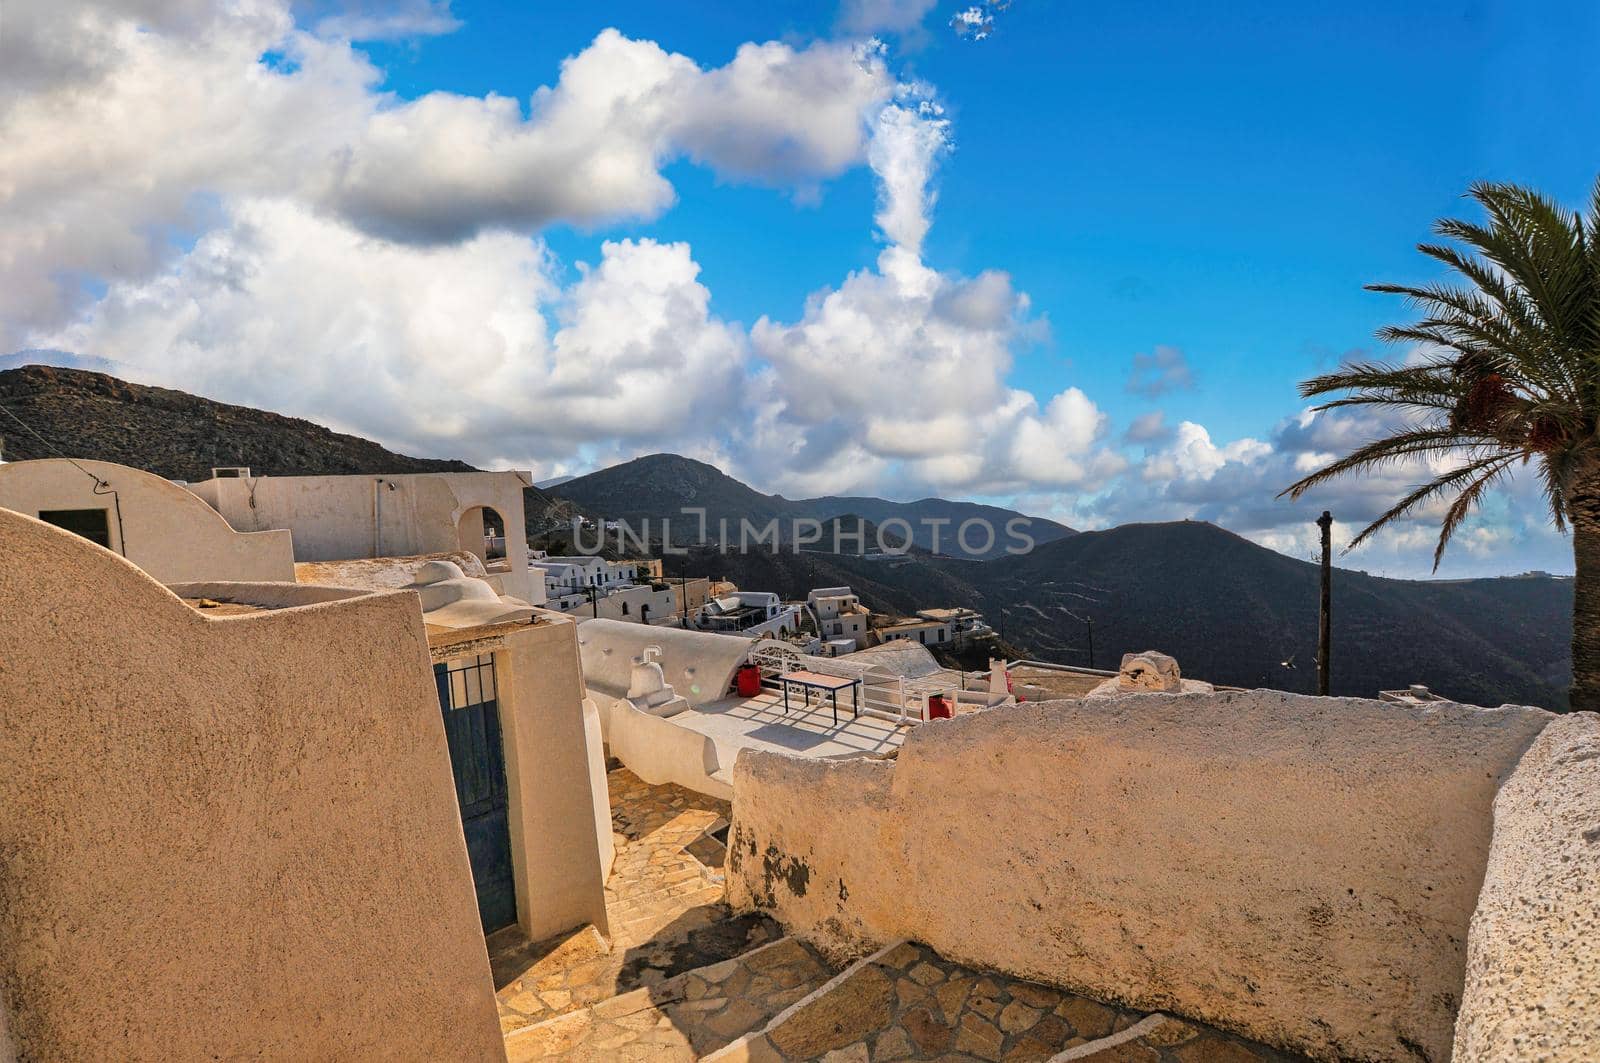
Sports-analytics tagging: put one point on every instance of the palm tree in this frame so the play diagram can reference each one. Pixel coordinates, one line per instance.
(1508, 375)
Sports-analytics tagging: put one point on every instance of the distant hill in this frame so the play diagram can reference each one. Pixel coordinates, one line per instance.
(177, 435)
(183, 437)
(661, 485)
(1231, 611)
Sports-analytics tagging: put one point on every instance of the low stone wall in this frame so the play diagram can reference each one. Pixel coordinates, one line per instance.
(1302, 870)
(1533, 957)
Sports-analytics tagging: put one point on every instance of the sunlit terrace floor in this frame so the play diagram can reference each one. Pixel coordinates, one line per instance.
(809, 730)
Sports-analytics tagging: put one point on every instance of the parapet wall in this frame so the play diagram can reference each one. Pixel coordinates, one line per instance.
(152, 522)
(229, 838)
(1302, 870)
(1533, 957)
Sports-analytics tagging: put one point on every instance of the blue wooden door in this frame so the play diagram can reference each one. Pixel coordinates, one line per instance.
(477, 759)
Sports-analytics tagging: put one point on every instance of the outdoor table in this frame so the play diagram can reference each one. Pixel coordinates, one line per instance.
(810, 681)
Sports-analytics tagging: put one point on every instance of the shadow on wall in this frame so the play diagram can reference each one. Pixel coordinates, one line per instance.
(218, 802)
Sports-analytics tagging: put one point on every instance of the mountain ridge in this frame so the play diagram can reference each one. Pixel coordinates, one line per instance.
(1231, 611)
(657, 486)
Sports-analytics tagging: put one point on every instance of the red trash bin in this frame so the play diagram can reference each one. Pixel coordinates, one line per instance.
(939, 707)
(748, 681)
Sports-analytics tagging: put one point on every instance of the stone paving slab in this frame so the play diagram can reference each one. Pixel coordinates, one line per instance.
(665, 907)
(911, 1003)
(684, 1017)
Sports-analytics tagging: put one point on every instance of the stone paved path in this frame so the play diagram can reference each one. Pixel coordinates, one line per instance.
(911, 1003)
(665, 907)
(683, 1017)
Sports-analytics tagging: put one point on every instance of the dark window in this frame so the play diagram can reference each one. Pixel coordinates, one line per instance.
(92, 524)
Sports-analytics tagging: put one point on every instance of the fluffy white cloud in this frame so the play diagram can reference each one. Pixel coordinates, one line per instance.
(592, 146)
(1236, 484)
(468, 349)
(124, 128)
(901, 372)
(129, 126)
(1192, 456)
(906, 143)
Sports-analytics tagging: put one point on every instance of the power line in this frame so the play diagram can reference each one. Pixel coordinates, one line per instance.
(55, 449)
(101, 487)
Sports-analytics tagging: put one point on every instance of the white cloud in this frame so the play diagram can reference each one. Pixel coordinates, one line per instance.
(123, 129)
(128, 127)
(470, 349)
(906, 366)
(907, 141)
(592, 146)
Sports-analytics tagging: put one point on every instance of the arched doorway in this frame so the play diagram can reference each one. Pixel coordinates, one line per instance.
(481, 532)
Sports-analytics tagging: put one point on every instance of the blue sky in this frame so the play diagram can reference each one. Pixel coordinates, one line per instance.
(715, 266)
(1221, 178)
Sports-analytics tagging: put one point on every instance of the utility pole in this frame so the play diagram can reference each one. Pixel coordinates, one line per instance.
(1325, 610)
(1090, 622)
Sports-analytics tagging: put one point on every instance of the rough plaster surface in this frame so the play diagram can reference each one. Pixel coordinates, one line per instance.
(1533, 957)
(559, 830)
(382, 573)
(224, 838)
(1301, 870)
(697, 664)
(154, 523)
(338, 517)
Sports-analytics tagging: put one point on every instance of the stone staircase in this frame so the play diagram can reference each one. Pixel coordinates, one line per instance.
(684, 978)
(685, 1017)
(783, 1002)
(908, 1002)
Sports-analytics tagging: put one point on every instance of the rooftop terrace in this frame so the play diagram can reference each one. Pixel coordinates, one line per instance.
(761, 722)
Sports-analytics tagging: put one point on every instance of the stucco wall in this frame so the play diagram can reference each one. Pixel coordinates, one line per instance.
(1299, 869)
(661, 752)
(382, 573)
(1533, 956)
(339, 517)
(699, 665)
(155, 523)
(228, 837)
(555, 822)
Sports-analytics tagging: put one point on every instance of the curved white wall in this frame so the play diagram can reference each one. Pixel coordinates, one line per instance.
(156, 524)
(698, 665)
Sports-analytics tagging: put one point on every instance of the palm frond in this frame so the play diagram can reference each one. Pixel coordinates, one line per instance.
(1444, 440)
(1423, 493)
(1511, 372)
(1464, 504)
